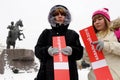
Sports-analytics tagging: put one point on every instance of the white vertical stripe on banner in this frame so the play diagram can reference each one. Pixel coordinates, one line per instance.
(61, 65)
(99, 64)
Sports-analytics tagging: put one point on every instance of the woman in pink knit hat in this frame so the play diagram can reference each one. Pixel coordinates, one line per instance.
(107, 42)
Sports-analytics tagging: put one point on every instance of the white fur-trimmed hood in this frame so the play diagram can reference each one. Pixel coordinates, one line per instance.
(51, 18)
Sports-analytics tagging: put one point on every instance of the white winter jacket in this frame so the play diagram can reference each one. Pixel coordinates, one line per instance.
(112, 55)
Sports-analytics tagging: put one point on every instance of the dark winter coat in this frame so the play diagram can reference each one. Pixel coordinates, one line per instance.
(46, 71)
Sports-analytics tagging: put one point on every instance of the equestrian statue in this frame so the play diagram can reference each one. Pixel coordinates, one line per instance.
(14, 33)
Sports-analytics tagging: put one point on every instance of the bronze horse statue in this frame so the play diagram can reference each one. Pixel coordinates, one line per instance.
(14, 33)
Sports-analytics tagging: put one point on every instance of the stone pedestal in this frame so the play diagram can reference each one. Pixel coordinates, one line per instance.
(2, 64)
(22, 59)
(19, 54)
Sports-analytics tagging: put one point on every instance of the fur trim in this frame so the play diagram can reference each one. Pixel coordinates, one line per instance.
(51, 18)
(115, 24)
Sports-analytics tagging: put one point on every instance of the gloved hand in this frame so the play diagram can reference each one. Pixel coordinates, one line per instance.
(52, 51)
(67, 51)
(99, 45)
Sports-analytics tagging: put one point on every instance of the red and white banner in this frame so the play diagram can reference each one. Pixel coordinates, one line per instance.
(97, 58)
(61, 66)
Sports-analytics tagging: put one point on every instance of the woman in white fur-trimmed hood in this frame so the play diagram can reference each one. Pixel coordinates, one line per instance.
(59, 19)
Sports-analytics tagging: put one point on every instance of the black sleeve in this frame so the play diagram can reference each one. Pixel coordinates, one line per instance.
(43, 43)
(77, 49)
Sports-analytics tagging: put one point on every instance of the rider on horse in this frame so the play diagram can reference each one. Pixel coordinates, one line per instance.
(11, 27)
(14, 33)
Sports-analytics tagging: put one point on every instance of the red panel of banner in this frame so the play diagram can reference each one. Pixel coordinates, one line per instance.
(61, 66)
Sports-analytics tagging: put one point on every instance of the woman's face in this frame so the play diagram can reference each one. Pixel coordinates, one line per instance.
(60, 18)
(99, 23)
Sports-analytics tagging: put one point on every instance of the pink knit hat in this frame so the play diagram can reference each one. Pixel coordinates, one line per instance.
(104, 12)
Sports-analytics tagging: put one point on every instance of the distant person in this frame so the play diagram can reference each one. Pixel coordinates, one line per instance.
(84, 64)
(59, 19)
(115, 26)
(107, 42)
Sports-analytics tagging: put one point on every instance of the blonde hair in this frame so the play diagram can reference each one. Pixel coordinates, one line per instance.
(107, 24)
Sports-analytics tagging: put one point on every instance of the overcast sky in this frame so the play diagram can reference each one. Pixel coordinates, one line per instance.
(34, 14)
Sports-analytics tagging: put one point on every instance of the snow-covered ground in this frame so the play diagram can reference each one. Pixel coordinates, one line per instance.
(20, 76)
(83, 74)
(30, 76)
